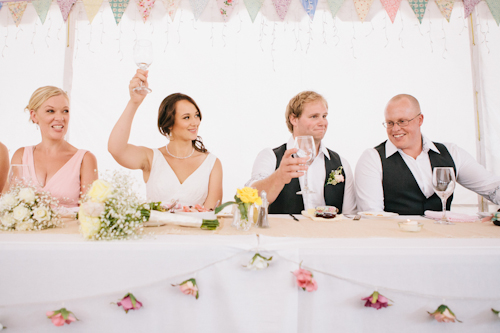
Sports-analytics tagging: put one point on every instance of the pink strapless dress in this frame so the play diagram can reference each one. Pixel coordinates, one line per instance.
(64, 185)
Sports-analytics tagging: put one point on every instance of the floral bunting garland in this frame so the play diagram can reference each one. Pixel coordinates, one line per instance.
(334, 6)
(65, 6)
(281, 7)
(171, 6)
(253, 7)
(226, 8)
(419, 7)
(392, 7)
(17, 10)
(118, 7)
(1, 4)
(310, 7)
(445, 6)
(198, 7)
(145, 7)
(61, 316)
(494, 6)
(91, 8)
(42, 7)
(362, 8)
(469, 6)
(129, 302)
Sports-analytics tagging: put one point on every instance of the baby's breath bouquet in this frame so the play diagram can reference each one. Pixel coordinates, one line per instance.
(23, 208)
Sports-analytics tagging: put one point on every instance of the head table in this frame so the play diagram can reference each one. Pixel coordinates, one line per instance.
(457, 265)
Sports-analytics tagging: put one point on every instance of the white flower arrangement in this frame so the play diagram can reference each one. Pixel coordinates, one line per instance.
(24, 209)
(335, 177)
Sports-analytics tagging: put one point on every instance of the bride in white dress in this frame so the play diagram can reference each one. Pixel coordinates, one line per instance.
(183, 169)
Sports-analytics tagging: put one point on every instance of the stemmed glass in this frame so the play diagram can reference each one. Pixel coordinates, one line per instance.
(306, 148)
(16, 176)
(143, 57)
(443, 182)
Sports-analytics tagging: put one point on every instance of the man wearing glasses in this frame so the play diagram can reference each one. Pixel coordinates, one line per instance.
(396, 176)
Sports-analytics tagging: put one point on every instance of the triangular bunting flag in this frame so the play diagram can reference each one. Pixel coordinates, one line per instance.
(65, 6)
(281, 7)
(362, 8)
(42, 7)
(145, 7)
(91, 8)
(391, 7)
(17, 10)
(418, 7)
(310, 7)
(198, 7)
(253, 7)
(118, 7)
(226, 8)
(171, 6)
(469, 6)
(445, 6)
(1, 3)
(494, 6)
(334, 6)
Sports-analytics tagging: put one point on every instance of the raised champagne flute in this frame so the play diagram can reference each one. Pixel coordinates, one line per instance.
(306, 149)
(16, 176)
(143, 57)
(443, 182)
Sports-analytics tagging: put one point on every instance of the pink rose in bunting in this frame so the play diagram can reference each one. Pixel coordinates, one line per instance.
(305, 280)
(226, 8)
(443, 314)
(362, 8)
(61, 316)
(189, 287)
(281, 7)
(469, 6)
(65, 6)
(171, 6)
(129, 302)
(17, 10)
(376, 301)
(391, 7)
(145, 7)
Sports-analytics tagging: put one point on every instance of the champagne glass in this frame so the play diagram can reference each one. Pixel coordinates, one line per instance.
(143, 57)
(306, 148)
(443, 182)
(16, 176)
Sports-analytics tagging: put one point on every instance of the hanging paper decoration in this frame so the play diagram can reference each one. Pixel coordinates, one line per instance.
(171, 6)
(226, 8)
(334, 6)
(42, 7)
(145, 7)
(469, 6)
(1, 3)
(118, 7)
(17, 10)
(65, 6)
(198, 7)
(391, 7)
(445, 6)
(91, 8)
(418, 7)
(253, 7)
(362, 8)
(281, 7)
(310, 7)
(494, 6)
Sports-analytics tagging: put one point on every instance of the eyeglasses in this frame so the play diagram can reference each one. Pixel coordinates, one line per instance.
(401, 123)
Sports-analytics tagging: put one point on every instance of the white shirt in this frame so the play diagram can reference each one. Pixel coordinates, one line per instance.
(265, 165)
(470, 174)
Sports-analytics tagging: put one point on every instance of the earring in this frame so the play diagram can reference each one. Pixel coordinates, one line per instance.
(37, 127)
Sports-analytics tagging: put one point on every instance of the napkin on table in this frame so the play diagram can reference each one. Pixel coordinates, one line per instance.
(453, 217)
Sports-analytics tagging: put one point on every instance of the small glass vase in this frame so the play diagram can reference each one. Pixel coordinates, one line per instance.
(238, 222)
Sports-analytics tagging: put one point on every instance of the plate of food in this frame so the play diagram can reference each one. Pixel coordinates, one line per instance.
(323, 214)
(377, 215)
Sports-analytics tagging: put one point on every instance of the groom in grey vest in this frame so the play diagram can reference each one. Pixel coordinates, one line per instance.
(278, 172)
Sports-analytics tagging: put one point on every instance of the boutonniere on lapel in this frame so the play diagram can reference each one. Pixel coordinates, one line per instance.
(335, 177)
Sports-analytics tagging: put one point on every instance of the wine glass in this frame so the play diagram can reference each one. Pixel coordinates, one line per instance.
(306, 148)
(443, 182)
(143, 57)
(16, 176)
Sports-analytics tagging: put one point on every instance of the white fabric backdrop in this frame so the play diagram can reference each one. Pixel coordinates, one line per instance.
(242, 75)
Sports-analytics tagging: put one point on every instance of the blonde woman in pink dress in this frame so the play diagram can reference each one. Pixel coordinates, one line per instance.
(4, 165)
(54, 165)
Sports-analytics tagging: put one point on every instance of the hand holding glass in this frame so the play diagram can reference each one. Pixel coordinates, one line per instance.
(143, 57)
(443, 182)
(306, 148)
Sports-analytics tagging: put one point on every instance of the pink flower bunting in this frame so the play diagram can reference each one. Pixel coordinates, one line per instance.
(376, 301)
(61, 316)
(145, 7)
(445, 7)
(129, 302)
(188, 287)
(171, 6)
(305, 280)
(226, 8)
(391, 7)
(281, 7)
(17, 10)
(418, 7)
(65, 6)
(469, 6)
(443, 314)
(362, 8)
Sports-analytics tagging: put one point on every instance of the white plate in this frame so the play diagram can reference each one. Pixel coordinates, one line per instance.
(485, 214)
(377, 215)
(225, 214)
(201, 215)
(309, 213)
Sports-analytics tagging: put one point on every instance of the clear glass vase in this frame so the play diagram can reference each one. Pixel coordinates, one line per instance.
(241, 223)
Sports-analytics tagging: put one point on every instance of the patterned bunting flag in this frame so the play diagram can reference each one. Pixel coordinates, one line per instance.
(445, 6)
(1, 3)
(145, 7)
(362, 8)
(334, 6)
(118, 7)
(310, 7)
(42, 7)
(494, 6)
(391, 7)
(171, 6)
(469, 6)
(418, 7)
(91, 8)
(226, 8)
(65, 6)
(281, 7)
(253, 7)
(17, 10)
(198, 7)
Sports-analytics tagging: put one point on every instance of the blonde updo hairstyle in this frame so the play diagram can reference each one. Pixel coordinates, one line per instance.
(41, 95)
(296, 105)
